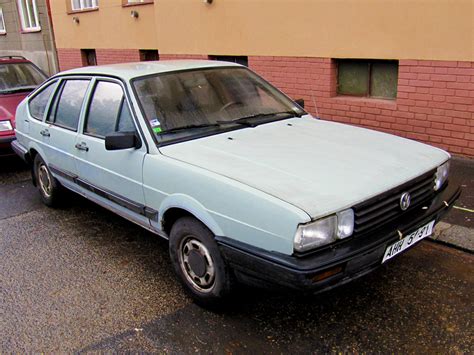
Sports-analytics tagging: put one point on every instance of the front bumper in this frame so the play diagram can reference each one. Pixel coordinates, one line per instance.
(350, 259)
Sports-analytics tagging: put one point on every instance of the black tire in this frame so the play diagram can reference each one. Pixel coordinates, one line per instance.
(204, 275)
(49, 188)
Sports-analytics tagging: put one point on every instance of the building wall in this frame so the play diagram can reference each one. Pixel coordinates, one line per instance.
(36, 46)
(111, 26)
(294, 45)
(398, 29)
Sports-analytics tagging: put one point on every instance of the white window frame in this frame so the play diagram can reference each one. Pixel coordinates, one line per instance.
(84, 6)
(28, 15)
(2, 23)
(134, 2)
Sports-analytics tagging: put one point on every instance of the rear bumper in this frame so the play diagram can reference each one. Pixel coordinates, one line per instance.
(19, 150)
(348, 259)
(5, 148)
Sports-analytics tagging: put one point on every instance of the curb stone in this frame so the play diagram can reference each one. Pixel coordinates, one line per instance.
(458, 236)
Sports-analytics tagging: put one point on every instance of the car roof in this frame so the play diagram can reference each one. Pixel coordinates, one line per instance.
(7, 59)
(129, 71)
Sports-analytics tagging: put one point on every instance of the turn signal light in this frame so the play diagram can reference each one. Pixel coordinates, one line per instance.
(327, 273)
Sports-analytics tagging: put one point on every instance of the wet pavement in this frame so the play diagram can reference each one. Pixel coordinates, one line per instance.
(462, 171)
(83, 279)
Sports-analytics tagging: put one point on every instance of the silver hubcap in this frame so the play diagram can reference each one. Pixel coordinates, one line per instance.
(197, 265)
(44, 180)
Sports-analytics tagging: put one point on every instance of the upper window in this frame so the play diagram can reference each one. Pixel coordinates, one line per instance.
(108, 111)
(79, 5)
(3, 30)
(243, 60)
(372, 78)
(18, 77)
(67, 108)
(131, 2)
(39, 102)
(29, 17)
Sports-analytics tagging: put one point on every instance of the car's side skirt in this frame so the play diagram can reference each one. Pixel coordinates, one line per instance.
(94, 194)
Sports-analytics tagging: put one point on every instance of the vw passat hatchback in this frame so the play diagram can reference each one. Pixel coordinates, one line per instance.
(243, 183)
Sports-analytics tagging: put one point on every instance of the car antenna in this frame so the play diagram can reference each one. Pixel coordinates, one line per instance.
(316, 107)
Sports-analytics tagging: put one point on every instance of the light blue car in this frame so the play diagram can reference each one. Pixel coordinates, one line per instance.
(244, 184)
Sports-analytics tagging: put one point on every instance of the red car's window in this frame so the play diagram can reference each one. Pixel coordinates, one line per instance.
(17, 77)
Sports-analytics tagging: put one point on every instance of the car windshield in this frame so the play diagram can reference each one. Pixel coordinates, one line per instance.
(17, 77)
(205, 101)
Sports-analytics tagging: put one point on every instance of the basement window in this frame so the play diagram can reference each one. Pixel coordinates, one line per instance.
(29, 17)
(147, 55)
(243, 60)
(81, 5)
(369, 78)
(88, 57)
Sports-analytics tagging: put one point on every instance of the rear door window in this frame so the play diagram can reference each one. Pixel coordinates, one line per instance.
(40, 101)
(67, 107)
(108, 111)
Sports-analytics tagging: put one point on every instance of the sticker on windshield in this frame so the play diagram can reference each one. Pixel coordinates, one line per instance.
(155, 123)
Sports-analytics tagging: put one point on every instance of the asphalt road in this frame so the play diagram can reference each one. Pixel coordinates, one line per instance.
(82, 279)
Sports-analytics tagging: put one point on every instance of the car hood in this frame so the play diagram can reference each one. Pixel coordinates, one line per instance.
(318, 166)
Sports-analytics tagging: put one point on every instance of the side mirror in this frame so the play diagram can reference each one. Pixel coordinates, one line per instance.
(300, 102)
(122, 140)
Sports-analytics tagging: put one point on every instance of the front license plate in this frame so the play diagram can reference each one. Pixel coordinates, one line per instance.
(408, 241)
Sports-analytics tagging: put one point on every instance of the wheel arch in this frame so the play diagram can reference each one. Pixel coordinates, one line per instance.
(179, 205)
(33, 151)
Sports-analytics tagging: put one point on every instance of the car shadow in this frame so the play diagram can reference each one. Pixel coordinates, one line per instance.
(257, 319)
(384, 310)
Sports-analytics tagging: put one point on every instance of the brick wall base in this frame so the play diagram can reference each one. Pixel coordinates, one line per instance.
(435, 100)
(112, 56)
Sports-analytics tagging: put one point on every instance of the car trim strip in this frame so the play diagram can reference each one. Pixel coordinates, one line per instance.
(122, 201)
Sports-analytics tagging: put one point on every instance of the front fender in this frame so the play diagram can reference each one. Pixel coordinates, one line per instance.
(191, 205)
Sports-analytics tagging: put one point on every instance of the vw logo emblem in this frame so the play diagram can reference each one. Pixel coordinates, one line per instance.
(405, 201)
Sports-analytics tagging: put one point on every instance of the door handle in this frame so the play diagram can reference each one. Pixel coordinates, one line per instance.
(45, 133)
(82, 146)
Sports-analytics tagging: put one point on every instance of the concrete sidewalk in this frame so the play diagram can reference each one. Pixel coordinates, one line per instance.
(457, 227)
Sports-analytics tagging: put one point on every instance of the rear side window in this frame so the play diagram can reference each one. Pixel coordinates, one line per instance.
(39, 102)
(67, 109)
(108, 111)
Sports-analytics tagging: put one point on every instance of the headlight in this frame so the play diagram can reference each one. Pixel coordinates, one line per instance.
(441, 175)
(324, 231)
(5, 126)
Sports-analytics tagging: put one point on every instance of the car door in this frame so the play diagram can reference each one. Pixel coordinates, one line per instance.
(58, 134)
(114, 176)
(34, 124)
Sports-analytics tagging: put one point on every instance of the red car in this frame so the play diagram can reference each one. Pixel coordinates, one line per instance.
(18, 77)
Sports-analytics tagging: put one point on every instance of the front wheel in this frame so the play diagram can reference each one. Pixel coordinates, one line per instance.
(48, 186)
(198, 262)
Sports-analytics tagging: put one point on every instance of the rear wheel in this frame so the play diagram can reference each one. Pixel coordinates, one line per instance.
(48, 186)
(198, 263)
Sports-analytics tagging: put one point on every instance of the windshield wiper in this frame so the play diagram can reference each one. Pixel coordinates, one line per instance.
(191, 126)
(248, 120)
